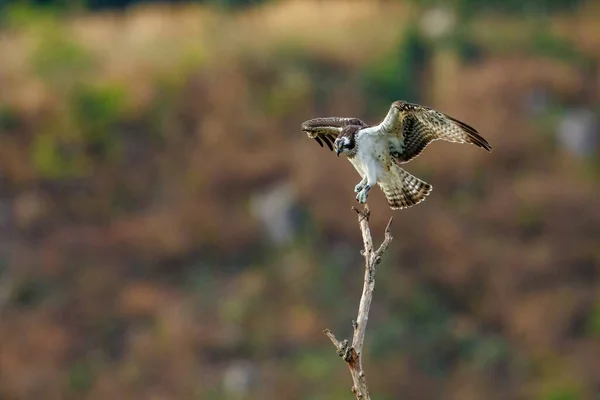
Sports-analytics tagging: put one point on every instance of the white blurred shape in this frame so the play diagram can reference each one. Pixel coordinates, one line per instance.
(438, 22)
(578, 131)
(274, 207)
(239, 378)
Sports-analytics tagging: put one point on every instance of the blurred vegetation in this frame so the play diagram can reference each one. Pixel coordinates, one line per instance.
(392, 75)
(139, 145)
(515, 7)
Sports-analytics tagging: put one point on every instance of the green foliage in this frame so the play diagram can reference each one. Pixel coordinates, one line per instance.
(56, 157)
(200, 281)
(422, 327)
(28, 293)
(484, 352)
(419, 326)
(288, 92)
(461, 41)
(81, 377)
(9, 118)
(545, 43)
(59, 60)
(97, 109)
(329, 286)
(290, 74)
(534, 37)
(22, 15)
(316, 365)
(91, 111)
(518, 7)
(87, 132)
(234, 310)
(593, 323)
(235, 3)
(562, 392)
(530, 219)
(98, 105)
(394, 75)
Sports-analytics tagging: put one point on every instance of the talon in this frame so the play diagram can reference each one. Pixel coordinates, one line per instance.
(363, 194)
(358, 188)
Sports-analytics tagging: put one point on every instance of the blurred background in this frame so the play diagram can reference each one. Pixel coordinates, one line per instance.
(168, 232)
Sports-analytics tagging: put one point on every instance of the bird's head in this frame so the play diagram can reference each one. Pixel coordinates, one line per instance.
(346, 141)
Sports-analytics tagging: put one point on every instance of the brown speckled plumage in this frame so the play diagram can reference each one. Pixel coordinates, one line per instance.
(419, 126)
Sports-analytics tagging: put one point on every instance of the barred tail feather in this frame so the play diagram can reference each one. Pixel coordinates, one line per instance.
(405, 190)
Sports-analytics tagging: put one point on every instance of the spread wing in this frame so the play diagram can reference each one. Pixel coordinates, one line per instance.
(412, 127)
(327, 129)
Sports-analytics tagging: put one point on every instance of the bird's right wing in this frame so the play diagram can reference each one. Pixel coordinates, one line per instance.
(412, 127)
(327, 129)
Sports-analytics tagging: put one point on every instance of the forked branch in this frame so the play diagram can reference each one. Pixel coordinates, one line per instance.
(352, 354)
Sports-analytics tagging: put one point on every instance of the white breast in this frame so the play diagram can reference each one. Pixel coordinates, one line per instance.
(372, 153)
(371, 146)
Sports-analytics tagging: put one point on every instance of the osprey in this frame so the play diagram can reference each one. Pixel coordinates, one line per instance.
(377, 152)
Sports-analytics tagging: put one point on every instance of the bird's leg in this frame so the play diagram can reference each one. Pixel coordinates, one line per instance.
(371, 180)
(360, 185)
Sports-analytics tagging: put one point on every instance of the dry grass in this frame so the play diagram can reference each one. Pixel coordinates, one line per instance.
(151, 42)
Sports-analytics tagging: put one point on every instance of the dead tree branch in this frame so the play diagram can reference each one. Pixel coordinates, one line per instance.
(352, 354)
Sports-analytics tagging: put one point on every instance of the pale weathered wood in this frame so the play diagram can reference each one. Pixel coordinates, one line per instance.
(352, 354)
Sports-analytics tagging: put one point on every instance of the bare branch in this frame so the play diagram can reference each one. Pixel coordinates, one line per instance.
(353, 354)
(386, 241)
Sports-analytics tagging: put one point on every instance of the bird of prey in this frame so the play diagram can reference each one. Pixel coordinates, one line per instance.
(376, 152)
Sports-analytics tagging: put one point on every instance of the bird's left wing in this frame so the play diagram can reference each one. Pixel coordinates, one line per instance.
(327, 129)
(412, 127)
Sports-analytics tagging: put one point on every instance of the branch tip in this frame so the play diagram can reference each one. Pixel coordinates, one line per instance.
(388, 228)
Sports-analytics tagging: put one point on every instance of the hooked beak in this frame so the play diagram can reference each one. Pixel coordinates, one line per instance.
(338, 150)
